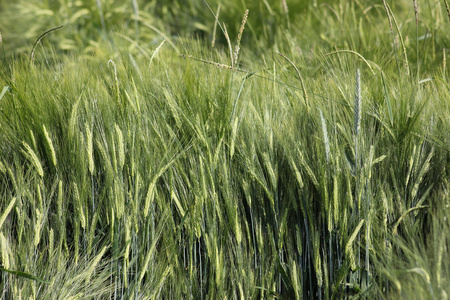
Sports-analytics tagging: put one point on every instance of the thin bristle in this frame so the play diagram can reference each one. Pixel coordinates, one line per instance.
(219, 65)
(215, 26)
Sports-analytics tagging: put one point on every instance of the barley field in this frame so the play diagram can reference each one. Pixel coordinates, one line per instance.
(224, 149)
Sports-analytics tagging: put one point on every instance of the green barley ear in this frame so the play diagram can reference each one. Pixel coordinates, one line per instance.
(5, 251)
(151, 59)
(7, 211)
(116, 80)
(79, 206)
(31, 155)
(59, 203)
(33, 139)
(89, 148)
(307, 169)
(335, 199)
(121, 146)
(325, 136)
(233, 136)
(38, 226)
(50, 145)
(149, 198)
(297, 173)
(236, 49)
(92, 233)
(2, 168)
(94, 263)
(317, 258)
(73, 117)
(51, 241)
(349, 245)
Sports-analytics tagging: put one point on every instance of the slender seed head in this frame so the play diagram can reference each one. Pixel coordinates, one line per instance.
(416, 12)
(357, 102)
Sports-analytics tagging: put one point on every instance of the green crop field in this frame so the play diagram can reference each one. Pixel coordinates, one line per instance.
(224, 149)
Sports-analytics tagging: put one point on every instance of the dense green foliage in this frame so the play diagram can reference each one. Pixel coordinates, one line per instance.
(139, 159)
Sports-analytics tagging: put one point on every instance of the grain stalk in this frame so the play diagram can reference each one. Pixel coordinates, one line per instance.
(305, 94)
(406, 64)
(238, 42)
(100, 12)
(39, 40)
(286, 12)
(215, 26)
(357, 119)
(394, 43)
(230, 47)
(416, 15)
(31, 155)
(357, 115)
(219, 65)
(136, 17)
(444, 63)
(355, 53)
(448, 9)
(151, 60)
